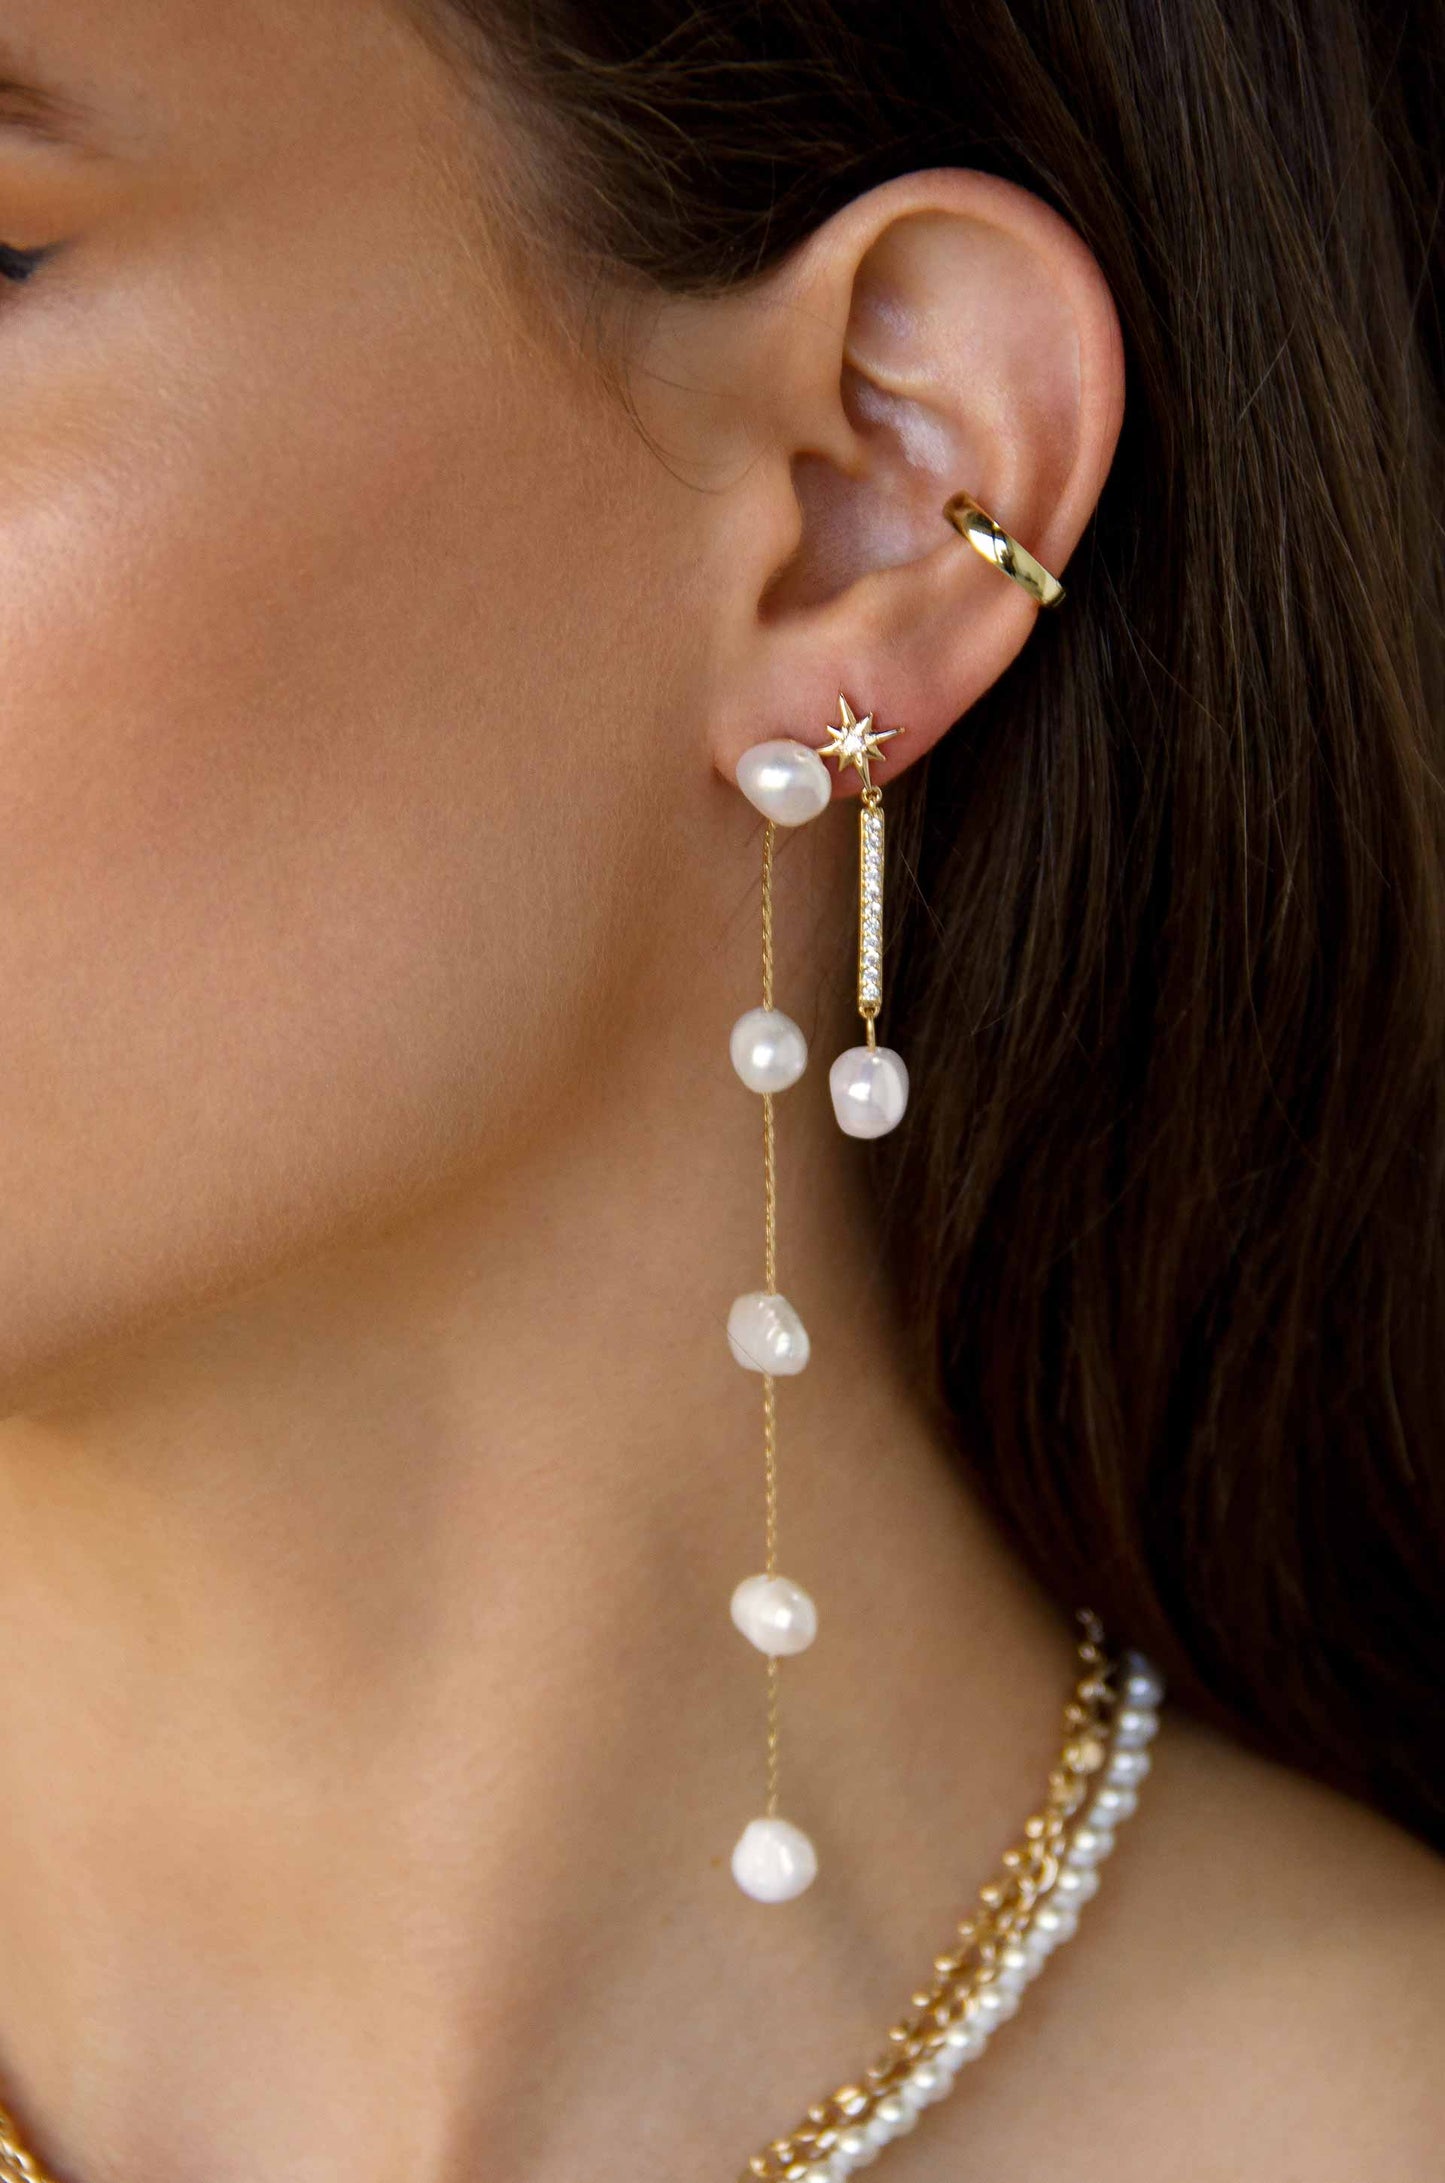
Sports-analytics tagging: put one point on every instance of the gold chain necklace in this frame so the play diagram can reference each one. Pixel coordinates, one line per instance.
(1019, 1918)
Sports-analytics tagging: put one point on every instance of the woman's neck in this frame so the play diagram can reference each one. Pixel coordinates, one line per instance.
(376, 1733)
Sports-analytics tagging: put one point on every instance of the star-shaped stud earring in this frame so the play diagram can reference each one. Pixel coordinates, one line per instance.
(856, 741)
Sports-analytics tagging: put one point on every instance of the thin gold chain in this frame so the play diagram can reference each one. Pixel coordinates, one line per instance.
(770, 1407)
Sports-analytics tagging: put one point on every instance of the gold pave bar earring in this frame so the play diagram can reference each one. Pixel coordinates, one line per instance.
(868, 1084)
(773, 1860)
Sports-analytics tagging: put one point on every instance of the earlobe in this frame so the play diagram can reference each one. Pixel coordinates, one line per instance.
(946, 331)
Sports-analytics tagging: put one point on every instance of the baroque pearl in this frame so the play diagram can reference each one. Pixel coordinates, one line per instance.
(869, 1086)
(773, 1860)
(768, 1050)
(765, 1334)
(775, 1614)
(787, 781)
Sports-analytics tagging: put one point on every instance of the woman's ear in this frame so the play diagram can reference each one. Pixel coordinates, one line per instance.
(943, 331)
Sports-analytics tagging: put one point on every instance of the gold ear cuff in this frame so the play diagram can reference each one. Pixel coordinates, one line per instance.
(994, 543)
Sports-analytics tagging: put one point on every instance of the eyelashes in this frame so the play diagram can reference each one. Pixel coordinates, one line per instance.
(18, 265)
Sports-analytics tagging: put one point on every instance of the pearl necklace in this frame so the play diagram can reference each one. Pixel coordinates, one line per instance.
(1019, 1920)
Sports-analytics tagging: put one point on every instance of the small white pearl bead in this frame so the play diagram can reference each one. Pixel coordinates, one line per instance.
(787, 781)
(1077, 1884)
(876, 2130)
(899, 2114)
(1111, 1807)
(994, 2006)
(765, 1333)
(768, 1050)
(1012, 1970)
(1055, 1922)
(964, 2041)
(1143, 1684)
(1134, 1726)
(1126, 1768)
(773, 1860)
(869, 1090)
(925, 2083)
(856, 2147)
(1089, 1846)
(775, 1614)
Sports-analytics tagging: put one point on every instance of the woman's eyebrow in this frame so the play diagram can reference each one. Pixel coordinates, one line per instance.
(36, 108)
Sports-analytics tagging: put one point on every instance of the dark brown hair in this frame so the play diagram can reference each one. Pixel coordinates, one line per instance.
(1168, 1208)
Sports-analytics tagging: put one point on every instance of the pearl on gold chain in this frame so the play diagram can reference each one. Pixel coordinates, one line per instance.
(1054, 1920)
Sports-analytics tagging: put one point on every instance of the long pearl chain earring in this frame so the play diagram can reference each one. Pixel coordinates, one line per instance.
(773, 1860)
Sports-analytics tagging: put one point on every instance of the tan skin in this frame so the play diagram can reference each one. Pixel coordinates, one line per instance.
(373, 1473)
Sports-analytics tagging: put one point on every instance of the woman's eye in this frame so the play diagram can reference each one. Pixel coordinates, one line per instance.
(18, 265)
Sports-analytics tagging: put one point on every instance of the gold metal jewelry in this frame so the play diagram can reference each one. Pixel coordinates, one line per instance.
(1101, 1720)
(992, 541)
(975, 1958)
(853, 743)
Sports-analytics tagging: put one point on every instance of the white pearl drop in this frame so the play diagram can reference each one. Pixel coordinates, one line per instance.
(773, 1860)
(856, 2148)
(1126, 1768)
(1077, 1884)
(775, 1614)
(787, 781)
(1112, 1806)
(768, 1050)
(765, 1333)
(869, 1087)
(964, 2041)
